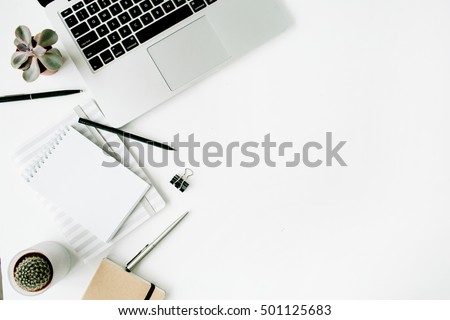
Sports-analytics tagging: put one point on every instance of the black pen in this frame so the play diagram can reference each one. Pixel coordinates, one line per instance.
(124, 134)
(32, 96)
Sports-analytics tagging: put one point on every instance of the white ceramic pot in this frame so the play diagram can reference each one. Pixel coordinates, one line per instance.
(54, 252)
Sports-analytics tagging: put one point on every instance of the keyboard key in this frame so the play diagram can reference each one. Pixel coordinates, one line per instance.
(104, 3)
(157, 13)
(125, 31)
(114, 37)
(163, 24)
(210, 1)
(78, 6)
(88, 1)
(179, 2)
(82, 14)
(66, 12)
(197, 5)
(168, 6)
(80, 29)
(146, 5)
(157, 2)
(93, 8)
(107, 57)
(130, 43)
(118, 50)
(102, 30)
(124, 18)
(113, 24)
(126, 4)
(94, 22)
(135, 12)
(137, 1)
(115, 9)
(87, 39)
(136, 25)
(96, 63)
(146, 18)
(71, 21)
(105, 15)
(96, 48)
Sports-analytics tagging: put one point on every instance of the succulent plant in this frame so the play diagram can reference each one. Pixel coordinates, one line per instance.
(35, 54)
(33, 272)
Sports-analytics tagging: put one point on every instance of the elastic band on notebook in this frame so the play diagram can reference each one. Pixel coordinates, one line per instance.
(150, 292)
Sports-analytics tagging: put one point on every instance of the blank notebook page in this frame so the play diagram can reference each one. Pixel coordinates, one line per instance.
(71, 174)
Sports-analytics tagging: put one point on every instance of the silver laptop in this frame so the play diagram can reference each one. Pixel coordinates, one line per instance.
(136, 54)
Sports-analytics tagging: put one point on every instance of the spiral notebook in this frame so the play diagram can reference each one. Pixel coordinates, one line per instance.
(84, 243)
(71, 173)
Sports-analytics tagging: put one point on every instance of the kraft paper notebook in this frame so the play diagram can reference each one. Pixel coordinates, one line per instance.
(112, 282)
(73, 174)
(84, 243)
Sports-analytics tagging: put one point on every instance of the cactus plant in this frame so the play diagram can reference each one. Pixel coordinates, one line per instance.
(34, 54)
(33, 272)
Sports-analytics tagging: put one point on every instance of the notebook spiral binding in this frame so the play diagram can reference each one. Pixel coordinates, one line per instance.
(37, 164)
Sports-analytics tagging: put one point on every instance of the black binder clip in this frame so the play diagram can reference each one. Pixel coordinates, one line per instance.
(180, 181)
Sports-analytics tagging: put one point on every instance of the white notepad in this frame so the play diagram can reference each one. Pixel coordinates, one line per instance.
(71, 173)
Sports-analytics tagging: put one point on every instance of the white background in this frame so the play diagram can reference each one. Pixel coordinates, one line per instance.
(375, 73)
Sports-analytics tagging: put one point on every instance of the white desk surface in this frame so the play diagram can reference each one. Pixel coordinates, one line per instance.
(375, 73)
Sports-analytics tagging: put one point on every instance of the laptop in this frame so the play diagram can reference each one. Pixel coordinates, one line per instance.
(136, 54)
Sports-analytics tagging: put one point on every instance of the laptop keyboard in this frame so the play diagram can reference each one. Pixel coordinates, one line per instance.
(107, 29)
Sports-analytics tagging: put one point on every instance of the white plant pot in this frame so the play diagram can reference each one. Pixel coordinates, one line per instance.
(59, 259)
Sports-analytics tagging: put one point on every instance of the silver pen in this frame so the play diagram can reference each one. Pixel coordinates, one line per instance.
(149, 247)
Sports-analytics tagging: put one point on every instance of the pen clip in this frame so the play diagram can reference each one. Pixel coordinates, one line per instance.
(149, 247)
(135, 257)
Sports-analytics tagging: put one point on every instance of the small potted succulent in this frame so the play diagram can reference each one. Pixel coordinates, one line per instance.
(34, 54)
(33, 272)
(36, 269)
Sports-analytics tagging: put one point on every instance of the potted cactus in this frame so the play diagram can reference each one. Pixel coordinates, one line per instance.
(35, 55)
(36, 269)
(33, 272)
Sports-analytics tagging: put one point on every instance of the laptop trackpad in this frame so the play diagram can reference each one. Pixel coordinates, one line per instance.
(188, 53)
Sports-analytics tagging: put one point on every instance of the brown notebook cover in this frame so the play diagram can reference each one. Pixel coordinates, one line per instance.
(112, 282)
